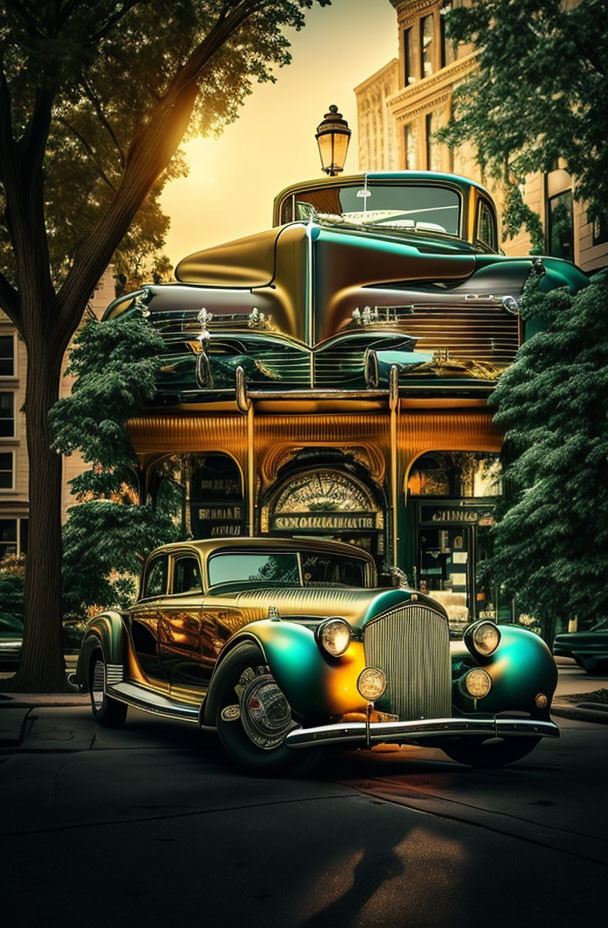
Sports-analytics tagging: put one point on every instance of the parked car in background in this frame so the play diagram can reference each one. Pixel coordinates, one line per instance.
(11, 638)
(589, 649)
(287, 646)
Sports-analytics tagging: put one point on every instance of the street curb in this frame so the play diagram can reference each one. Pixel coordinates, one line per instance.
(597, 716)
(42, 700)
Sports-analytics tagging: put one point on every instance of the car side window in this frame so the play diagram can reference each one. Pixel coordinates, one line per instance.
(155, 583)
(486, 227)
(186, 576)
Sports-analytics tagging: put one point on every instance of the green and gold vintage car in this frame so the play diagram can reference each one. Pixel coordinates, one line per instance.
(287, 646)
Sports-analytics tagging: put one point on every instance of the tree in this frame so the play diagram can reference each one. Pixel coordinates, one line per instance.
(95, 98)
(539, 93)
(551, 540)
(114, 525)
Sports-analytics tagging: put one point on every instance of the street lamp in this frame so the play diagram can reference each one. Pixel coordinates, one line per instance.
(333, 136)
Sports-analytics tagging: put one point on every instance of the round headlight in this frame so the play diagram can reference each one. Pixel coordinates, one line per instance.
(477, 683)
(486, 638)
(371, 683)
(334, 636)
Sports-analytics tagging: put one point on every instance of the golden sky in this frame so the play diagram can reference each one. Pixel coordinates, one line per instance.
(234, 179)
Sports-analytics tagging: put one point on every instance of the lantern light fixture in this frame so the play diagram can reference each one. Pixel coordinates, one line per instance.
(333, 137)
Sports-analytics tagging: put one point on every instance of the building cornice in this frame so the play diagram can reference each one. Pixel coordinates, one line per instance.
(389, 69)
(424, 94)
(408, 12)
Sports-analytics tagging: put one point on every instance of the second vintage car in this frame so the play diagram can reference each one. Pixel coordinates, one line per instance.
(286, 646)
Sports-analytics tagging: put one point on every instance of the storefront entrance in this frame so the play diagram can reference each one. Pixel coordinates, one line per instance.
(452, 541)
(330, 504)
(453, 516)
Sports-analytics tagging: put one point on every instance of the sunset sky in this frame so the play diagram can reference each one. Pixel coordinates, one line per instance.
(233, 179)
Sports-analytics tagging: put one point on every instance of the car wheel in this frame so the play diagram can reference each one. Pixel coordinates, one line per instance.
(107, 711)
(492, 753)
(253, 717)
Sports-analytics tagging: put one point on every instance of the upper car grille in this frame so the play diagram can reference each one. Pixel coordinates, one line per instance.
(412, 646)
(470, 331)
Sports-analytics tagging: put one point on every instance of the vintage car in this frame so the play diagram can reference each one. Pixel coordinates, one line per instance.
(588, 648)
(287, 646)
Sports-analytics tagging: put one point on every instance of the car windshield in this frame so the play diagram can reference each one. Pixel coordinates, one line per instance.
(287, 568)
(414, 207)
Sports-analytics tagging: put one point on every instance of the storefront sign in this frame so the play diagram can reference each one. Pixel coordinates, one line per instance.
(329, 521)
(461, 516)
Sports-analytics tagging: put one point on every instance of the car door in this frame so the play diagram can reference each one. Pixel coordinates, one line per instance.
(144, 617)
(179, 625)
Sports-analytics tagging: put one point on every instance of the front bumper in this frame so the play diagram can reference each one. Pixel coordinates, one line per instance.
(421, 730)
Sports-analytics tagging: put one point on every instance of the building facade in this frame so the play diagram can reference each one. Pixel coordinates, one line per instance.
(14, 521)
(396, 132)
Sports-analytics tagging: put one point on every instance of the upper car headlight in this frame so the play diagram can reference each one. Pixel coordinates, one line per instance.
(485, 638)
(334, 636)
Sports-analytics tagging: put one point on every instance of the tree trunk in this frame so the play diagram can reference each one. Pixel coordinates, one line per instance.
(41, 668)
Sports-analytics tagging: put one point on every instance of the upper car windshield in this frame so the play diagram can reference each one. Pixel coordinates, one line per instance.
(405, 206)
(286, 568)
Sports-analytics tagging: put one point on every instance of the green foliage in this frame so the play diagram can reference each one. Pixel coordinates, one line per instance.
(106, 65)
(12, 586)
(551, 540)
(104, 544)
(107, 534)
(115, 364)
(540, 93)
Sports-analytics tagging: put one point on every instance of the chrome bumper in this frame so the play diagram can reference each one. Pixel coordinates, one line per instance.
(368, 733)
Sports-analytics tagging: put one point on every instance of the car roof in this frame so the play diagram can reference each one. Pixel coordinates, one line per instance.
(208, 546)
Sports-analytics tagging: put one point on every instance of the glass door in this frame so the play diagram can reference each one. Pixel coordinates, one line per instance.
(445, 557)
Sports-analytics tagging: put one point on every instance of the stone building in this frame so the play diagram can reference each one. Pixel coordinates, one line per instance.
(13, 445)
(401, 107)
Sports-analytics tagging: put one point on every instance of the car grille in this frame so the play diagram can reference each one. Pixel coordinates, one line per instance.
(412, 646)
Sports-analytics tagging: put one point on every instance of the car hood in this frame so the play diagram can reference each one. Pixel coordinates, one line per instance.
(577, 638)
(313, 604)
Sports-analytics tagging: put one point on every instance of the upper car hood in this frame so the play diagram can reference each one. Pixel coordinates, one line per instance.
(357, 606)
(577, 638)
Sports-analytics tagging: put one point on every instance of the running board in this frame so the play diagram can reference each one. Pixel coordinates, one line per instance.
(141, 698)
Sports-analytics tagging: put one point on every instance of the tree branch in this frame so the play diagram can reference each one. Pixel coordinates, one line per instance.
(88, 150)
(118, 15)
(148, 156)
(94, 99)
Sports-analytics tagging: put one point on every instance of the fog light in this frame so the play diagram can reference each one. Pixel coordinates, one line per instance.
(478, 683)
(541, 701)
(371, 683)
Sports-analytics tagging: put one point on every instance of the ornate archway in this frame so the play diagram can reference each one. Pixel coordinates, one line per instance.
(328, 502)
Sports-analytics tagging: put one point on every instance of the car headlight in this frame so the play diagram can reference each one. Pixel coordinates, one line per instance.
(483, 638)
(334, 636)
(477, 683)
(371, 683)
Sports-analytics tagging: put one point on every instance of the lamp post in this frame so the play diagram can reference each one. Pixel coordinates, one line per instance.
(333, 136)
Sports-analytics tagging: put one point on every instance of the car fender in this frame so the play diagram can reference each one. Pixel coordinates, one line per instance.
(315, 685)
(105, 631)
(521, 668)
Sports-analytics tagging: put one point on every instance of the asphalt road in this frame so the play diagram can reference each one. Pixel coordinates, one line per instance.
(152, 825)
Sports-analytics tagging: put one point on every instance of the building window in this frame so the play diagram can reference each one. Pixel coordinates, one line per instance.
(411, 146)
(560, 231)
(408, 57)
(7, 470)
(449, 51)
(7, 356)
(7, 415)
(13, 537)
(427, 36)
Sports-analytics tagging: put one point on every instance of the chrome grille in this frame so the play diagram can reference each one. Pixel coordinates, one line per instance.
(412, 646)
